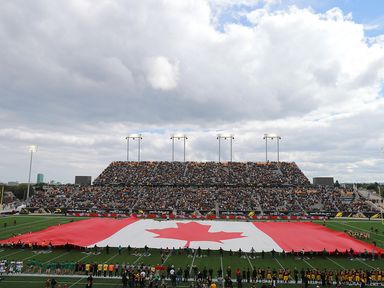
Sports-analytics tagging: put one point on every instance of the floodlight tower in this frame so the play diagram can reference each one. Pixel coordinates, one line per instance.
(266, 137)
(278, 138)
(32, 149)
(178, 136)
(229, 137)
(137, 137)
(272, 136)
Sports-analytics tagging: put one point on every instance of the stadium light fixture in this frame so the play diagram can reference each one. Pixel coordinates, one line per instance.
(178, 136)
(32, 149)
(272, 136)
(266, 136)
(226, 136)
(137, 137)
(278, 138)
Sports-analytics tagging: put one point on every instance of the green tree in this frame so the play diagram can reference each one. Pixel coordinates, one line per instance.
(20, 191)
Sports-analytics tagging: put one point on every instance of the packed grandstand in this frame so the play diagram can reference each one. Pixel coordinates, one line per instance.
(203, 188)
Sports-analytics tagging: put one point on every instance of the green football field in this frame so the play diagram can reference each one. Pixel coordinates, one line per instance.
(14, 225)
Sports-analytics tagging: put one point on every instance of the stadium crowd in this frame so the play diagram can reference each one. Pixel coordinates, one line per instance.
(264, 188)
(204, 199)
(201, 174)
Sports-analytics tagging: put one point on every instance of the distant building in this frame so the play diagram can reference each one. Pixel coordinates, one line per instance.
(13, 183)
(83, 180)
(40, 178)
(323, 181)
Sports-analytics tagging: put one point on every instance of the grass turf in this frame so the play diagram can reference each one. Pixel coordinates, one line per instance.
(38, 282)
(25, 224)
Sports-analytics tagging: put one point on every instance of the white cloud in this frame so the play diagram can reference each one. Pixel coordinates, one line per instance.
(78, 75)
(162, 74)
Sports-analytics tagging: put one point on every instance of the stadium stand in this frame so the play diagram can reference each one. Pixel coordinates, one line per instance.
(201, 174)
(188, 187)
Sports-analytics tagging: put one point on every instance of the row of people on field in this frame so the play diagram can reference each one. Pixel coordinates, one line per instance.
(358, 234)
(142, 273)
(10, 267)
(46, 246)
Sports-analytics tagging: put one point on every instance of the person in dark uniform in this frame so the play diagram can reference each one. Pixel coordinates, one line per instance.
(124, 279)
(53, 283)
(89, 281)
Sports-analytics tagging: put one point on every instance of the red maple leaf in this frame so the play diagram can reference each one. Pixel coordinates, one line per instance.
(194, 231)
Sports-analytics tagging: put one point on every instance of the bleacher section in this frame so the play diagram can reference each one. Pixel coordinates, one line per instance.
(201, 174)
(194, 187)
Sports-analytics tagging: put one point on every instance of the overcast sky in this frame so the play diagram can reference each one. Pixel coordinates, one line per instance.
(76, 76)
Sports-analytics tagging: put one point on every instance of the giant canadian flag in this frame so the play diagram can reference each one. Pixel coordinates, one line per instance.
(229, 235)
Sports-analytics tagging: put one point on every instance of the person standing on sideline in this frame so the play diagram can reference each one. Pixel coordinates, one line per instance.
(124, 279)
(89, 281)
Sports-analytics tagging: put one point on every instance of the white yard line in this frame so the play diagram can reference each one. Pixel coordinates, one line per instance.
(222, 268)
(366, 264)
(86, 256)
(250, 263)
(13, 253)
(61, 255)
(169, 254)
(341, 266)
(15, 227)
(106, 261)
(138, 258)
(290, 276)
(76, 282)
(309, 264)
(193, 261)
(279, 263)
(29, 257)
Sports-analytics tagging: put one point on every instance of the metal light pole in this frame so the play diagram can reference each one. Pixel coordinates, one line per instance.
(278, 138)
(127, 148)
(229, 137)
(134, 137)
(272, 136)
(266, 137)
(382, 204)
(32, 149)
(2, 196)
(178, 137)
